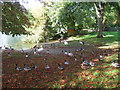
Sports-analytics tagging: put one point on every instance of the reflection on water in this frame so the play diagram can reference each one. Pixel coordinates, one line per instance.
(15, 42)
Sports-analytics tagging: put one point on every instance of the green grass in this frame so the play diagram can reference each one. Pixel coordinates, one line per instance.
(110, 39)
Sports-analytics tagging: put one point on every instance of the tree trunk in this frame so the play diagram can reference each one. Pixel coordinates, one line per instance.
(99, 19)
(100, 31)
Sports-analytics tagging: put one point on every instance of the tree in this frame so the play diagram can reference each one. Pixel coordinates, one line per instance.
(99, 11)
(108, 14)
(15, 18)
(80, 15)
(64, 15)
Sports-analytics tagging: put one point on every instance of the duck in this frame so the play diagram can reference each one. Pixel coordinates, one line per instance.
(100, 57)
(70, 54)
(82, 42)
(47, 66)
(0, 48)
(18, 68)
(40, 49)
(60, 67)
(93, 52)
(105, 52)
(114, 64)
(26, 55)
(65, 42)
(75, 59)
(82, 55)
(92, 63)
(85, 62)
(6, 47)
(35, 46)
(66, 62)
(77, 50)
(83, 59)
(48, 52)
(66, 53)
(84, 66)
(26, 68)
(9, 54)
(22, 51)
(35, 52)
(34, 66)
(11, 48)
(81, 49)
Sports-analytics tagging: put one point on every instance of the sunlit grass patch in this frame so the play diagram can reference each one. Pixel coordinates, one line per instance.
(110, 39)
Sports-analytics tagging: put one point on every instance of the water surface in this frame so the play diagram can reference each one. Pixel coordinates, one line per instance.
(15, 42)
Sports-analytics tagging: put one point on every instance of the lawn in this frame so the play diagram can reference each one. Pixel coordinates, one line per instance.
(110, 39)
(101, 76)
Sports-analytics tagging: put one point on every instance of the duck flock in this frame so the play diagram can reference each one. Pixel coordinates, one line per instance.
(85, 64)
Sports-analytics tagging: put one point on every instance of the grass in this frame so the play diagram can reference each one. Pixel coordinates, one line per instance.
(110, 39)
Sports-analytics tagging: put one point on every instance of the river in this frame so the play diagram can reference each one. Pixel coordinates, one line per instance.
(15, 42)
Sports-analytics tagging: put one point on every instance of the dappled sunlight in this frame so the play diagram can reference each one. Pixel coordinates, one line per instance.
(64, 44)
(109, 36)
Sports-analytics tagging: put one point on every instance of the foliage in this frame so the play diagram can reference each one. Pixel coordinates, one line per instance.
(50, 18)
(77, 15)
(38, 10)
(15, 18)
(111, 14)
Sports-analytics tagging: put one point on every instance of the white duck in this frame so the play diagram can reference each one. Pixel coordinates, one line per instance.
(18, 68)
(60, 67)
(26, 68)
(66, 62)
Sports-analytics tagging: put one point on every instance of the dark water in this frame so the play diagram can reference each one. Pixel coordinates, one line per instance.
(15, 42)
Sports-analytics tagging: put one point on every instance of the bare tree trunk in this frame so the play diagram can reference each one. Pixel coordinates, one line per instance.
(99, 18)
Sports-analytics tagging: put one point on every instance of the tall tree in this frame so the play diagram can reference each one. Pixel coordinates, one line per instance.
(15, 18)
(99, 11)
